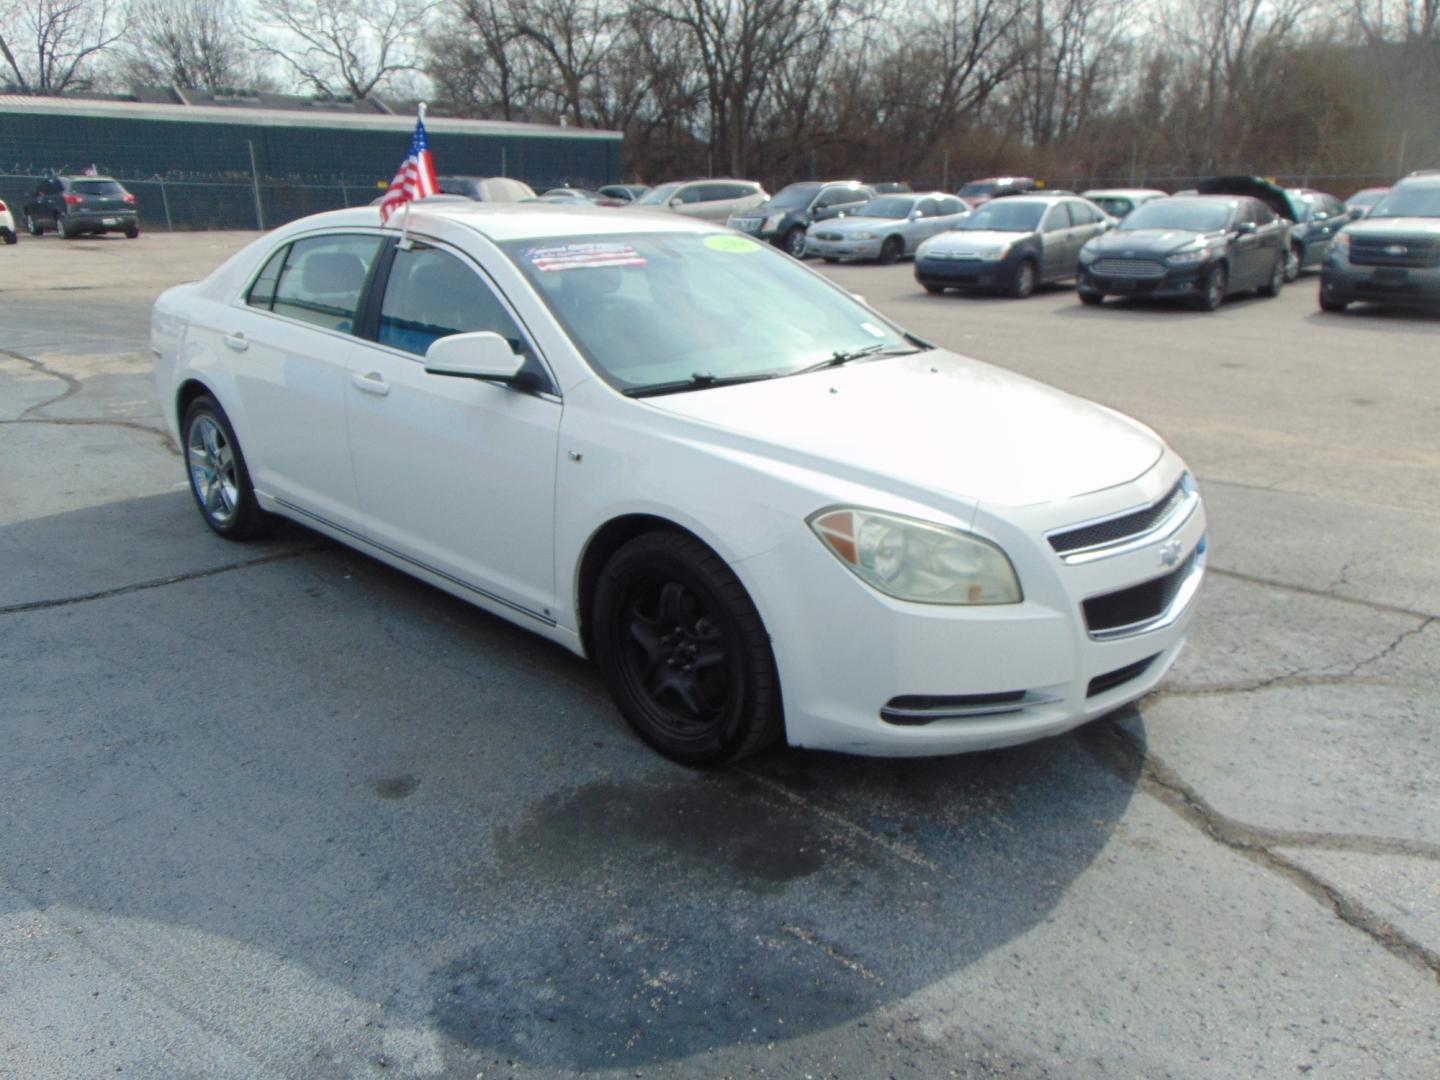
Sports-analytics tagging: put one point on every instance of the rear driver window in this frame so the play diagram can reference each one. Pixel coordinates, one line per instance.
(321, 281)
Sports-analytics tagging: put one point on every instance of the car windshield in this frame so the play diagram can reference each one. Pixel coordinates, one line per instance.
(659, 196)
(1005, 215)
(1409, 202)
(795, 195)
(1114, 205)
(1190, 215)
(1365, 198)
(96, 187)
(660, 309)
(887, 207)
(976, 190)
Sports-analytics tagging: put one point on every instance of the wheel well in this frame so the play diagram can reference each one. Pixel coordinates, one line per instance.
(189, 390)
(608, 539)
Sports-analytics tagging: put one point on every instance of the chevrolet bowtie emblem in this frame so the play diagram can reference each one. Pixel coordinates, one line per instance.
(1170, 553)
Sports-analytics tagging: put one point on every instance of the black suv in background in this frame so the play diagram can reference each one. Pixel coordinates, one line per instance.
(1392, 255)
(72, 205)
(784, 217)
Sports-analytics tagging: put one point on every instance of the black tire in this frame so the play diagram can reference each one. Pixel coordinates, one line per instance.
(795, 242)
(1277, 278)
(233, 512)
(36, 229)
(1023, 283)
(9, 236)
(831, 259)
(1335, 307)
(664, 602)
(891, 250)
(1216, 282)
(1294, 261)
(1090, 297)
(933, 290)
(132, 231)
(62, 226)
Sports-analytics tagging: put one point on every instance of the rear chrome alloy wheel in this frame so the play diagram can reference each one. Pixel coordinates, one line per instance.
(213, 475)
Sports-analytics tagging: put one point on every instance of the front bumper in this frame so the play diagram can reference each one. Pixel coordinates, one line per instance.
(1341, 280)
(967, 273)
(756, 227)
(842, 249)
(1176, 282)
(866, 674)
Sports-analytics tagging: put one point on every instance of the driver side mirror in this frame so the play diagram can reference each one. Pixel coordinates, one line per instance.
(1245, 228)
(481, 354)
(676, 203)
(1356, 213)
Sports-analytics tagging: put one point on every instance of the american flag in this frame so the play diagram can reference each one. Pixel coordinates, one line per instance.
(416, 177)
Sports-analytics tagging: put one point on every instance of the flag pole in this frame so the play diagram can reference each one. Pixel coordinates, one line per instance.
(404, 244)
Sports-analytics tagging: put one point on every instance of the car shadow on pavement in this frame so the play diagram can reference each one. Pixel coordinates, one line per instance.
(316, 758)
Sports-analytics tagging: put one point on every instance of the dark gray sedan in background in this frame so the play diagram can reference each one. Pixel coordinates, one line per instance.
(1200, 248)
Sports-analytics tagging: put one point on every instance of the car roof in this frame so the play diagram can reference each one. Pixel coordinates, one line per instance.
(82, 176)
(1102, 192)
(1419, 180)
(516, 221)
(1044, 198)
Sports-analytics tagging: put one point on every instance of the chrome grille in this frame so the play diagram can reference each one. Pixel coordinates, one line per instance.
(1380, 251)
(1136, 268)
(829, 236)
(1118, 529)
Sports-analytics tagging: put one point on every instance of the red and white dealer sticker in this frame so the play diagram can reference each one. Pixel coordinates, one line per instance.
(583, 257)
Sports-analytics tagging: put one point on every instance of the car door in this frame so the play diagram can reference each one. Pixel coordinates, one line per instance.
(712, 202)
(922, 224)
(289, 343)
(1249, 251)
(455, 475)
(1056, 260)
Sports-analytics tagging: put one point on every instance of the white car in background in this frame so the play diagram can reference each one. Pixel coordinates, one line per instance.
(764, 509)
(7, 223)
(886, 228)
(708, 200)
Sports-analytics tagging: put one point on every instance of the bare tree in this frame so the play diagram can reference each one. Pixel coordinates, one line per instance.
(343, 47)
(49, 45)
(188, 43)
(1073, 64)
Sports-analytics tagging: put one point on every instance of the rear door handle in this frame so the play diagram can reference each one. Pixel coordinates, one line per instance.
(237, 342)
(371, 383)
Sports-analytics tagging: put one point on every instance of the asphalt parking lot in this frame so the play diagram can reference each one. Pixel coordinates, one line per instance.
(279, 810)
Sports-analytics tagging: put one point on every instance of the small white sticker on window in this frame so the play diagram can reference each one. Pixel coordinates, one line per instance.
(871, 328)
(583, 257)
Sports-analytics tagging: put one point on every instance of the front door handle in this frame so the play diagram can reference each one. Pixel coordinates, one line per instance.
(237, 342)
(371, 383)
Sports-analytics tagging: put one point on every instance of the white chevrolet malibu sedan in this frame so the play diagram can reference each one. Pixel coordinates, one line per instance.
(761, 507)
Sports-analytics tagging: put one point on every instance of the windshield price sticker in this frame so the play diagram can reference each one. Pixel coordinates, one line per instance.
(734, 245)
(872, 329)
(560, 257)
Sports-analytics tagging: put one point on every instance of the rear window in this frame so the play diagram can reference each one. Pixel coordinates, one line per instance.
(96, 187)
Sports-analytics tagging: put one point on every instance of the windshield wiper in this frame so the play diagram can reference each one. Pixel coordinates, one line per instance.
(701, 380)
(843, 356)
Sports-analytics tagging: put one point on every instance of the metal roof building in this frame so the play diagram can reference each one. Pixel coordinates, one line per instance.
(237, 160)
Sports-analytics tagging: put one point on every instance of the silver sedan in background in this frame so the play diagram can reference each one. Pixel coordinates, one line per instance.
(886, 228)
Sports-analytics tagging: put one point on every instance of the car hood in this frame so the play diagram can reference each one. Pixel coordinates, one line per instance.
(973, 239)
(932, 422)
(1272, 195)
(1394, 226)
(1146, 241)
(854, 223)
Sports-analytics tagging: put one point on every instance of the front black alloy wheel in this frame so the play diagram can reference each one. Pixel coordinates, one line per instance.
(890, 250)
(795, 242)
(1294, 261)
(1213, 288)
(219, 479)
(1090, 297)
(684, 651)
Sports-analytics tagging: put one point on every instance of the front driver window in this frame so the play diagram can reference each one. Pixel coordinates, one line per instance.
(432, 294)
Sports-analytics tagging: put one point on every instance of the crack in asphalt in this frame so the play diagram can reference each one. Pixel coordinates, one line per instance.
(1303, 677)
(159, 583)
(81, 421)
(1120, 752)
(1374, 605)
(72, 385)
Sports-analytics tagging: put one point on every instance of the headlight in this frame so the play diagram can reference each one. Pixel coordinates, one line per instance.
(1193, 255)
(917, 561)
(995, 254)
(773, 222)
(1087, 254)
(862, 236)
(1341, 243)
